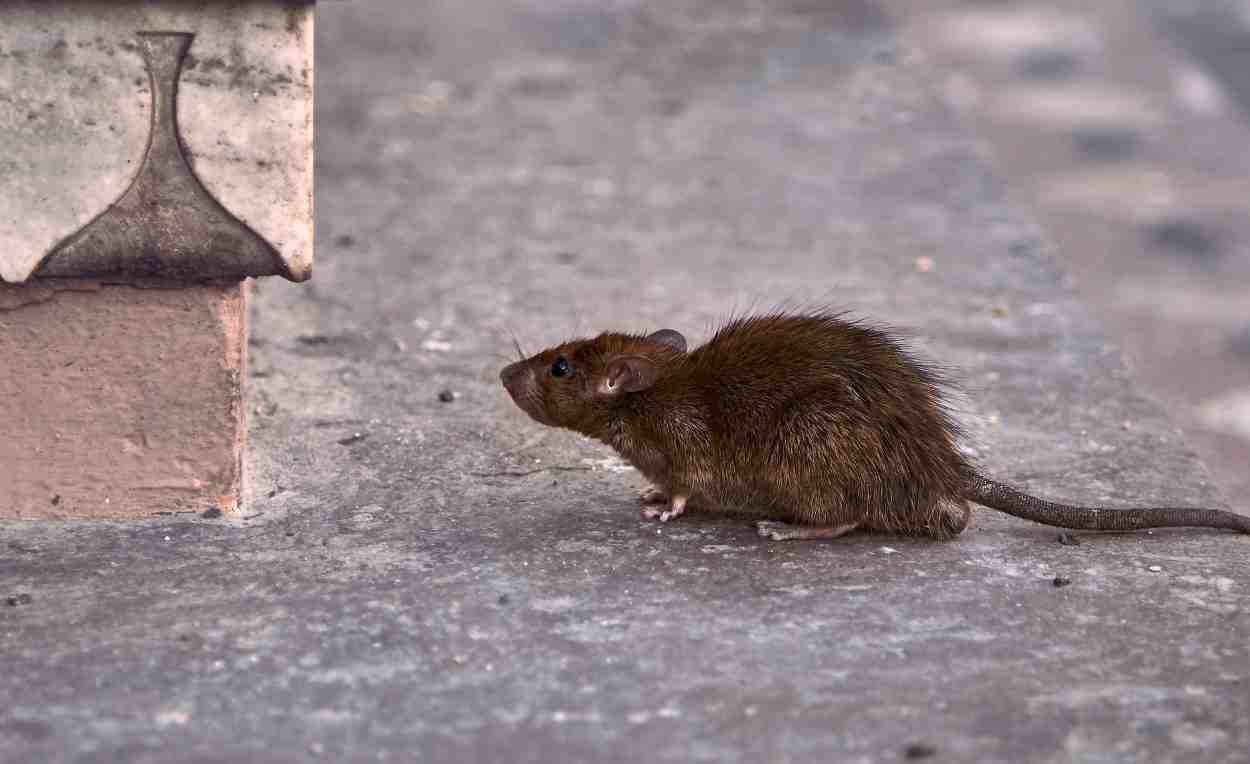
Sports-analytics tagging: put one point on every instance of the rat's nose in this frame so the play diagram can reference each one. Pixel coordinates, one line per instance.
(512, 375)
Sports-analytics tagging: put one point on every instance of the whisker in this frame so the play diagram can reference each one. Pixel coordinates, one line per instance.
(520, 354)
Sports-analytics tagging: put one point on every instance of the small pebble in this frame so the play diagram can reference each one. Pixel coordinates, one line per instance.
(503, 599)
(211, 513)
(1068, 539)
(1155, 568)
(447, 396)
(355, 437)
(998, 311)
(919, 751)
(1060, 581)
(19, 599)
(924, 264)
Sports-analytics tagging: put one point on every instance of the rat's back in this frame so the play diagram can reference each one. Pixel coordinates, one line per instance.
(830, 418)
(820, 359)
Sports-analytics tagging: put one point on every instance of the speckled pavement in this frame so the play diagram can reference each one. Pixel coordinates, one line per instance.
(423, 574)
(1123, 124)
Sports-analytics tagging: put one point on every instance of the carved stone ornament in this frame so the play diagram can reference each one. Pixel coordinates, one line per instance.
(166, 225)
(156, 139)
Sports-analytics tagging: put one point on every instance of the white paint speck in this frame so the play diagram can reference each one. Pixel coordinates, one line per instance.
(1155, 568)
(1198, 91)
(560, 717)
(601, 187)
(1228, 413)
(610, 464)
(172, 717)
(888, 550)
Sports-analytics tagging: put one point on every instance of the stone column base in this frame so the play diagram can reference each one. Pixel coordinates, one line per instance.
(120, 400)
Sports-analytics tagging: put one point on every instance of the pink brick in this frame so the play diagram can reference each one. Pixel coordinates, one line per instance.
(120, 401)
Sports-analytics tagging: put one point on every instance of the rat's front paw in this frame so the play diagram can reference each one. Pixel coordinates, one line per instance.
(675, 508)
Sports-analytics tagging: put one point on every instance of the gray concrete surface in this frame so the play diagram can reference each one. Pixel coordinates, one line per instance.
(1122, 124)
(418, 579)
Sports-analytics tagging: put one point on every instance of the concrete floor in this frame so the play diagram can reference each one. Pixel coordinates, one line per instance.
(433, 580)
(1121, 124)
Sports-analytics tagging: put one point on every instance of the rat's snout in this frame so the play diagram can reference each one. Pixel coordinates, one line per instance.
(517, 379)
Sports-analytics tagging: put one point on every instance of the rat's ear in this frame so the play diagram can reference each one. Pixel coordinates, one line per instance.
(628, 374)
(669, 338)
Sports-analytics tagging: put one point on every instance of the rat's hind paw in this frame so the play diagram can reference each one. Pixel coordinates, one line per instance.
(674, 509)
(652, 495)
(772, 530)
(787, 532)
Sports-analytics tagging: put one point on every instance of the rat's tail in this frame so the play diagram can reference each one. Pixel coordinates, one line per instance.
(1004, 498)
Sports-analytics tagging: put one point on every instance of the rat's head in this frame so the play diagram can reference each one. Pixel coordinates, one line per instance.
(577, 384)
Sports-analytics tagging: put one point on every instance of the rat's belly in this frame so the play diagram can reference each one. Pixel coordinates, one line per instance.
(743, 498)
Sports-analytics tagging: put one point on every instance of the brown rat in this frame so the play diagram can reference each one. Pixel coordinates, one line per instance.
(815, 424)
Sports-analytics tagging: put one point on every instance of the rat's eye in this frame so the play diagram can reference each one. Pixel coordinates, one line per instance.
(561, 367)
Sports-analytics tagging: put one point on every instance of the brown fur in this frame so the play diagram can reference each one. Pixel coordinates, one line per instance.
(821, 422)
(811, 419)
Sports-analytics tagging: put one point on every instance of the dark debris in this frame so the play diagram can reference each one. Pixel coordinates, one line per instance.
(920, 750)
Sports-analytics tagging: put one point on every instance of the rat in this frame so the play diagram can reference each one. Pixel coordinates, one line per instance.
(811, 423)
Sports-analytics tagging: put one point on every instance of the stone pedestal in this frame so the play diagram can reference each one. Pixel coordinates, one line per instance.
(120, 400)
(153, 156)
